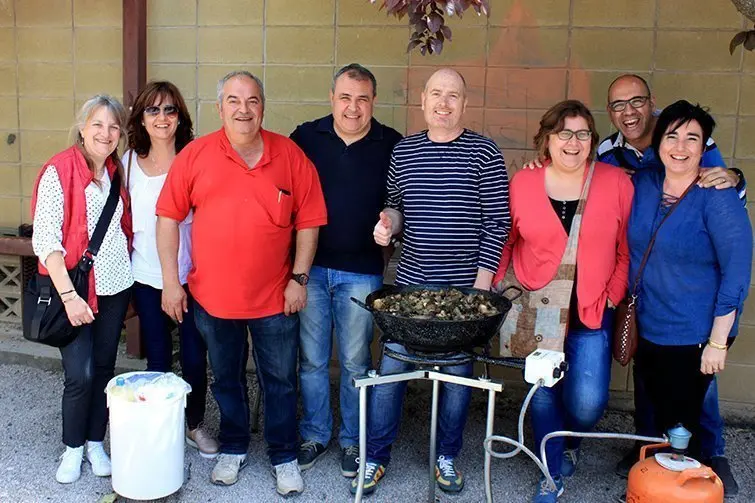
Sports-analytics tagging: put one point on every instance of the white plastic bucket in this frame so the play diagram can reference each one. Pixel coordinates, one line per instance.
(146, 443)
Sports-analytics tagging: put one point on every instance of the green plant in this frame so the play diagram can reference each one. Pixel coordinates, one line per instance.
(427, 19)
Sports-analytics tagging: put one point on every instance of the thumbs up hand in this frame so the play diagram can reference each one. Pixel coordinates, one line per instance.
(383, 230)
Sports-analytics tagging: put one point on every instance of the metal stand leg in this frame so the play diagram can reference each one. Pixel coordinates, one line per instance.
(362, 442)
(433, 437)
(488, 433)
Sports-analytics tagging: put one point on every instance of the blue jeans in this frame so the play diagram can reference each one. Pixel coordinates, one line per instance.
(386, 403)
(329, 307)
(156, 327)
(276, 342)
(712, 425)
(578, 401)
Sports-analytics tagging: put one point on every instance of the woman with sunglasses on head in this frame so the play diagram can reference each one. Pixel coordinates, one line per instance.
(69, 196)
(569, 223)
(158, 128)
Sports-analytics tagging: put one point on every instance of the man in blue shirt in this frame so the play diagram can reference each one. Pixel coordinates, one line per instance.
(631, 107)
(351, 151)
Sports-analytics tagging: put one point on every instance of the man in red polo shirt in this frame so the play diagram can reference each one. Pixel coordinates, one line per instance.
(250, 189)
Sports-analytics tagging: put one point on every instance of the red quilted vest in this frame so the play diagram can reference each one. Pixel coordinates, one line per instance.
(74, 177)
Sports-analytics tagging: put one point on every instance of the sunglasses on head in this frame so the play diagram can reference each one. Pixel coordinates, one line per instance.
(168, 110)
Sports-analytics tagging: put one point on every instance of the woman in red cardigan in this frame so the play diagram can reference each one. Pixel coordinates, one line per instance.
(543, 207)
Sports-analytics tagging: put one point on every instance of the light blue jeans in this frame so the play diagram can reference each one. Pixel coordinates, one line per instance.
(330, 310)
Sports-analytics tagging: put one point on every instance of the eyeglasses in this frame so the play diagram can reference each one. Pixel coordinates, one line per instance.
(636, 102)
(582, 134)
(168, 110)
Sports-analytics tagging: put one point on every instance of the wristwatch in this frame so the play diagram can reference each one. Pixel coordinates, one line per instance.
(302, 278)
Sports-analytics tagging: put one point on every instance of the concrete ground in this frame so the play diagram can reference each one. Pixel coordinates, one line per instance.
(30, 446)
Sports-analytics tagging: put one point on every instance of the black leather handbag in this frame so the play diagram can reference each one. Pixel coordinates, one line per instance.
(44, 316)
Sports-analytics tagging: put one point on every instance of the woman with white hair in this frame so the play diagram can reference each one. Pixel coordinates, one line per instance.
(68, 198)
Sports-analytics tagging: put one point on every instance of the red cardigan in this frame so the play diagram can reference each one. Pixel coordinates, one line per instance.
(74, 175)
(537, 240)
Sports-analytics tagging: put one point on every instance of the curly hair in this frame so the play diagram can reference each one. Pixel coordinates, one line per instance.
(153, 92)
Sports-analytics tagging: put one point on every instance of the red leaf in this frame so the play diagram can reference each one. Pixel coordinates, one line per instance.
(412, 45)
(750, 40)
(738, 39)
(436, 46)
(446, 31)
(434, 22)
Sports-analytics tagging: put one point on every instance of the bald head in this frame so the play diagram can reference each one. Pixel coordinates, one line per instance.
(625, 80)
(444, 101)
(447, 75)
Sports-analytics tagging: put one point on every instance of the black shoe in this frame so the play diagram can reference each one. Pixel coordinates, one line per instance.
(721, 466)
(309, 453)
(350, 461)
(628, 461)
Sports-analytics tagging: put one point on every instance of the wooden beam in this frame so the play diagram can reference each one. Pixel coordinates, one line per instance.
(10, 245)
(134, 49)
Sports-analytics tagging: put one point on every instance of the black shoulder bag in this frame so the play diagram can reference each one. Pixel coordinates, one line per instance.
(44, 316)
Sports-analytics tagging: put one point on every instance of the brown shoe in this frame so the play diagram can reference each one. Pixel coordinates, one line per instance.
(204, 443)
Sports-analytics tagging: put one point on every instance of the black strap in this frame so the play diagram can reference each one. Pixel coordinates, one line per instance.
(104, 221)
(652, 238)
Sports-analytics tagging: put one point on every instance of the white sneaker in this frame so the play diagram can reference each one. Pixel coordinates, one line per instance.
(99, 459)
(226, 471)
(288, 478)
(69, 469)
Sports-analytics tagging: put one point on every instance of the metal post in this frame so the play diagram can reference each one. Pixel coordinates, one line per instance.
(362, 440)
(488, 433)
(433, 437)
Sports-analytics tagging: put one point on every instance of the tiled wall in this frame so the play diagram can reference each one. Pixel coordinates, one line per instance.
(527, 55)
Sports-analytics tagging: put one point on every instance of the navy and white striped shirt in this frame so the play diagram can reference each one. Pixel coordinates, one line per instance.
(455, 200)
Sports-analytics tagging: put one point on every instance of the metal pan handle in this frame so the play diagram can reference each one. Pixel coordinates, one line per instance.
(516, 289)
(361, 304)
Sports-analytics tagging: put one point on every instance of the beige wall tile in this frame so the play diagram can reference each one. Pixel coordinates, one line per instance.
(98, 78)
(296, 12)
(10, 180)
(230, 12)
(603, 123)
(744, 350)
(38, 146)
(735, 383)
(29, 173)
(508, 128)
(529, 13)
(10, 211)
(516, 158)
(230, 45)
(749, 63)
(45, 79)
(747, 99)
(207, 118)
(692, 50)
(745, 143)
(184, 76)
(298, 83)
(46, 113)
(361, 45)
(7, 44)
(364, 13)
(468, 48)
(720, 94)
(8, 113)
(283, 118)
(310, 45)
(635, 13)
(9, 152)
(209, 75)
(98, 44)
(172, 13)
(43, 13)
(98, 12)
(630, 49)
(394, 117)
(171, 45)
(391, 85)
(528, 46)
(8, 79)
(724, 134)
(591, 87)
(474, 76)
(6, 13)
(44, 44)
(525, 87)
(683, 14)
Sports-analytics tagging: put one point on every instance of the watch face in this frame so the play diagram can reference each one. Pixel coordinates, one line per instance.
(302, 279)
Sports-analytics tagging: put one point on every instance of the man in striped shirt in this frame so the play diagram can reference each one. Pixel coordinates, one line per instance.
(448, 197)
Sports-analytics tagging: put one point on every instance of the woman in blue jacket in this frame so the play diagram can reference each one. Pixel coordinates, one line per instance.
(697, 275)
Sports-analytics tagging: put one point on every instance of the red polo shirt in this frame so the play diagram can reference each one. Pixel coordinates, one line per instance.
(244, 220)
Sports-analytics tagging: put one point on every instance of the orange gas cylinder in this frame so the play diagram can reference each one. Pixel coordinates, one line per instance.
(665, 479)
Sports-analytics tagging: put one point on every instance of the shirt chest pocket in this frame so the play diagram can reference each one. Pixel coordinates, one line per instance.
(278, 203)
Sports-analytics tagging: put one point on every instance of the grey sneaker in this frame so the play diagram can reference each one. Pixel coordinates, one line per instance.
(288, 478)
(350, 461)
(226, 471)
(309, 453)
(569, 462)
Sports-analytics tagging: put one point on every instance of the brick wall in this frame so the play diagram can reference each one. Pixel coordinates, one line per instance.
(526, 56)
